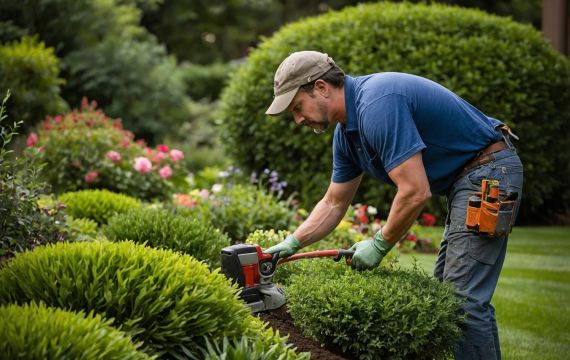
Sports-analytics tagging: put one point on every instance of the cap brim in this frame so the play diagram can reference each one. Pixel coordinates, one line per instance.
(281, 102)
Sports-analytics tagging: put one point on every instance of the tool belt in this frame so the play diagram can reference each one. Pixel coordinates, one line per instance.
(484, 156)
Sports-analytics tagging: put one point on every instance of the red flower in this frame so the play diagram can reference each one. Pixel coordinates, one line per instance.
(427, 219)
(162, 148)
(412, 238)
(58, 118)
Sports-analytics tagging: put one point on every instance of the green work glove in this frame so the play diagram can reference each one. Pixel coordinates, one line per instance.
(369, 253)
(287, 247)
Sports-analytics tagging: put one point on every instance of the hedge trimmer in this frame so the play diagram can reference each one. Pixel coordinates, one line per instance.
(252, 269)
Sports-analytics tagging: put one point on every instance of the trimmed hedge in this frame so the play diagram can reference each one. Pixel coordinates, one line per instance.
(375, 314)
(97, 205)
(504, 68)
(162, 229)
(169, 301)
(38, 332)
(30, 71)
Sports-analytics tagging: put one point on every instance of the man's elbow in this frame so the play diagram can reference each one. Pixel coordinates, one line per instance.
(418, 196)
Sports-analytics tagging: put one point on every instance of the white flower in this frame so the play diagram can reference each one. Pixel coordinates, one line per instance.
(372, 210)
(217, 188)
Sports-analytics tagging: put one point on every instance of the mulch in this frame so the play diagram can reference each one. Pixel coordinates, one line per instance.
(281, 320)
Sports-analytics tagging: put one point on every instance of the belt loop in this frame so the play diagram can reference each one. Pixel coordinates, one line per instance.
(507, 133)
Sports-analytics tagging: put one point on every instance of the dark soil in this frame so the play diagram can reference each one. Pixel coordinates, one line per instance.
(281, 320)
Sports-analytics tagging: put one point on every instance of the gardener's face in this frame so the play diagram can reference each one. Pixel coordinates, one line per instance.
(310, 109)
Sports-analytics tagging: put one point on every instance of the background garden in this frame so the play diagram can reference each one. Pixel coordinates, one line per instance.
(134, 146)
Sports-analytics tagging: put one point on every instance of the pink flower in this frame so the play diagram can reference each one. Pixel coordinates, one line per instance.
(158, 157)
(32, 140)
(176, 155)
(57, 119)
(125, 142)
(91, 176)
(143, 165)
(162, 148)
(113, 156)
(204, 194)
(165, 172)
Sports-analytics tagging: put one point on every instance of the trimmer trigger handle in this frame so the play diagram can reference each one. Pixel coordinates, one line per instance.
(344, 253)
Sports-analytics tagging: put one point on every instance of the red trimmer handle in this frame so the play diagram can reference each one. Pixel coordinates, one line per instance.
(336, 254)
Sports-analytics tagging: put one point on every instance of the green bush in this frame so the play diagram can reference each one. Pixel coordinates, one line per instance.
(207, 81)
(504, 68)
(162, 229)
(240, 209)
(38, 332)
(30, 71)
(85, 149)
(169, 301)
(97, 205)
(251, 349)
(375, 314)
(23, 225)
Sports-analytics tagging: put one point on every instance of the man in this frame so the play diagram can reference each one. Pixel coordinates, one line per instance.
(415, 134)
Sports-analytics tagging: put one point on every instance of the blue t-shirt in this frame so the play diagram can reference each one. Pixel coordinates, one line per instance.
(392, 116)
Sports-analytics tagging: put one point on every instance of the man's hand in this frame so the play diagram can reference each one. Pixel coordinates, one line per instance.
(369, 253)
(287, 247)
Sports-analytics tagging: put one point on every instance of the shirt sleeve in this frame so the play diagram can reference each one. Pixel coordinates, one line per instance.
(389, 128)
(344, 167)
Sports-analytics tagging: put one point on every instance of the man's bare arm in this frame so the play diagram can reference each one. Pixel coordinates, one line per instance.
(413, 193)
(328, 212)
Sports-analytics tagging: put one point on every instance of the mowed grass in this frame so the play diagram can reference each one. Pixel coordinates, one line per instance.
(532, 298)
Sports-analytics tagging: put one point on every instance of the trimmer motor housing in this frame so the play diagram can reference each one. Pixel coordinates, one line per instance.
(252, 270)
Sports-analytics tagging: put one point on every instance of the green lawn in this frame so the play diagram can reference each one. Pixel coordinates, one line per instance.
(533, 295)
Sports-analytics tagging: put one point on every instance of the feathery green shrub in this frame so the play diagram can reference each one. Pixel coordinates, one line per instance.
(35, 331)
(97, 205)
(375, 314)
(162, 229)
(506, 69)
(169, 301)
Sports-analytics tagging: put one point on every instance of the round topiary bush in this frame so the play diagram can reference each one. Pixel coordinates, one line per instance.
(375, 314)
(169, 301)
(162, 229)
(97, 205)
(504, 68)
(38, 332)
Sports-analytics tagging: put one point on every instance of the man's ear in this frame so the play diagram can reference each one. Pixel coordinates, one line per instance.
(322, 87)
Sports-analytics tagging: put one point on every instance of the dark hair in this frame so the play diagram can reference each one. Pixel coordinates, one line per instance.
(335, 77)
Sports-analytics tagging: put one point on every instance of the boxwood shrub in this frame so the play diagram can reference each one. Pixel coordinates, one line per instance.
(169, 301)
(375, 314)
(30, 70)
(504, 68)
(161, 229)
(38, 332)
(97, 205)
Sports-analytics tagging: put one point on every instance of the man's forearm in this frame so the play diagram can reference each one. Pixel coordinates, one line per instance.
(323, 219)
(405, 209)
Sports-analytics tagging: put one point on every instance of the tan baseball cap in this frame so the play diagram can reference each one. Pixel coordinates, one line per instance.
(296, 70)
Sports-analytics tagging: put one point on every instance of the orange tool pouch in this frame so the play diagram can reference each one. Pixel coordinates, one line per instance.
(490, 212)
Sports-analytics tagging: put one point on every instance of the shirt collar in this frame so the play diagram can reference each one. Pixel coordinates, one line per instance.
(350, 104)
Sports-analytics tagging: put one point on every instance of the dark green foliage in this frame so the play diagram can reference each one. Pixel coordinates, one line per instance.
(169, 301)
(162, 229)
(107, 56)
(30, 71)
(207, 81)
(239, 210)
(23, 225)
(506, 69)
(375, 314)
(38, 332)
(97, 205)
